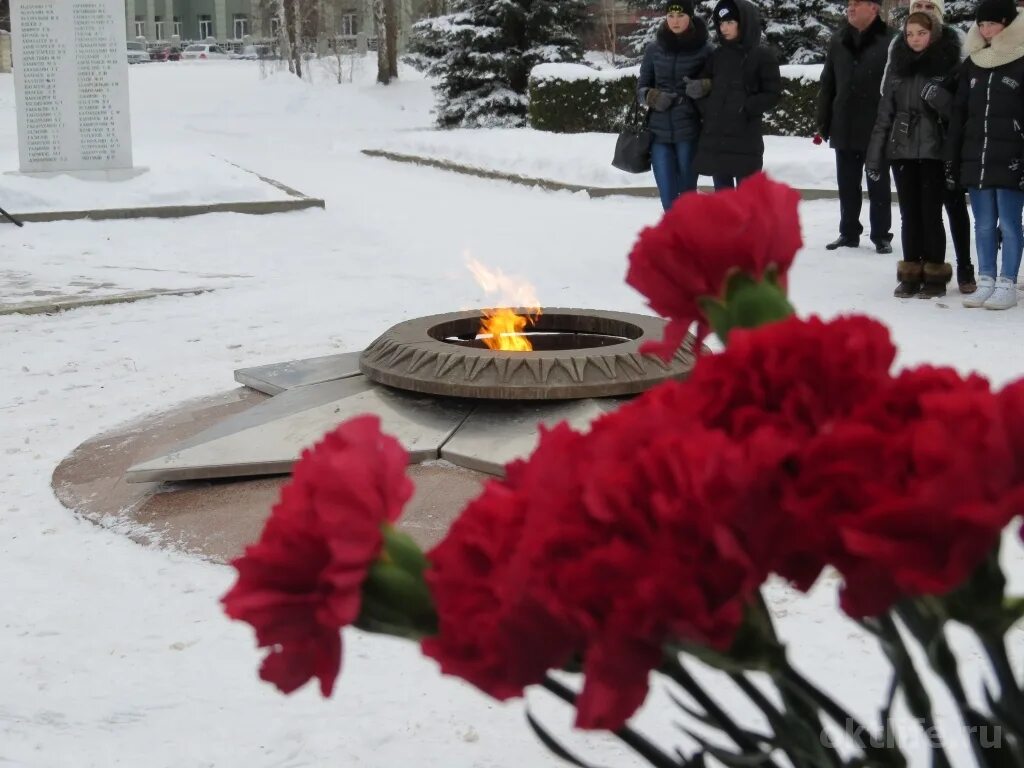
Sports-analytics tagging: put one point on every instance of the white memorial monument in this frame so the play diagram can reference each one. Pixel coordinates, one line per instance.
(71, 81)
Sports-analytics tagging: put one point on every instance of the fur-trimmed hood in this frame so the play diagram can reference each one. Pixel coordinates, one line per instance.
(939, 59)
(1005, 47)
(693, 39)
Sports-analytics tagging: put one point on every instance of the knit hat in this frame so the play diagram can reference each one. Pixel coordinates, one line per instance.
(679, 6)
(1001, 11)
(726, 10)
(940, 7)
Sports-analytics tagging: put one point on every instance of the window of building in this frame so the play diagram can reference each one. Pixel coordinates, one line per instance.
(275, 26)
(140, 26)
(205, 27)
(177, 26)
(158, 28)
(241, 26)
(348, 24)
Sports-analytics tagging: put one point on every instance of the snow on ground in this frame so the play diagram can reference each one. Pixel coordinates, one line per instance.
(585, 158)
(117, 655)
(162, 176)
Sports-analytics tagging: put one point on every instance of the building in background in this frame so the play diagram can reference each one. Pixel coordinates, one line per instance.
(232, 21)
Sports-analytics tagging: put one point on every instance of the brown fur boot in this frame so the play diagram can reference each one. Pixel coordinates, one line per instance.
(910, 274)
(935, 278)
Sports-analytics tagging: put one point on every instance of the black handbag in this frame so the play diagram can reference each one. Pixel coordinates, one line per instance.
(633, 147)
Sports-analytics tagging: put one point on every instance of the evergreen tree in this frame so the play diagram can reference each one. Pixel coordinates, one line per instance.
(798, 30)
(483, 51)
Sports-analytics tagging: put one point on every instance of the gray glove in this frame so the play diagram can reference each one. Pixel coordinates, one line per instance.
(697, 89)
(874, 174)
(659, 101)
(936, 96)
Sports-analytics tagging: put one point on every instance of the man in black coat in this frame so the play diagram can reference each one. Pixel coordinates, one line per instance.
(847, 106)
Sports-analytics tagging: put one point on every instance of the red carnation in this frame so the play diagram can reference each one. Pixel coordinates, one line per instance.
(302, 581)
(910, 493)
(703, 239)
(603, 546)
(796, 375)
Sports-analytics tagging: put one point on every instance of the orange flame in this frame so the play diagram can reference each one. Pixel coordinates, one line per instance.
(502, 328)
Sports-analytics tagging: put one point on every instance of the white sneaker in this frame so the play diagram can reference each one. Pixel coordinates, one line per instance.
(985, 287)
(1003, 296)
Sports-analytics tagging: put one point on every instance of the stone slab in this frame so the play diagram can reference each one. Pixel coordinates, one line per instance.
(258, 208)
(550, 184)
(270, 440)
(71, 84)
(497, 433)
(217, 519)
(63, 303)
(278, 377)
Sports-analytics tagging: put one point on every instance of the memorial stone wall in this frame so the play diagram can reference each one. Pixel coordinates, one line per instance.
(71, 80)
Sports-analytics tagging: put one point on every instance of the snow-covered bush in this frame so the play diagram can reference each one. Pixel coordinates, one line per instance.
(574, 98)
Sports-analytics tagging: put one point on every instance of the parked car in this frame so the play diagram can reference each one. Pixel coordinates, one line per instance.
(252, 53)
(169, 53)
(137, 53)
(203, 51)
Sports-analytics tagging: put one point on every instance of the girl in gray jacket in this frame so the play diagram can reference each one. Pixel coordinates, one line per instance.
(912, 121)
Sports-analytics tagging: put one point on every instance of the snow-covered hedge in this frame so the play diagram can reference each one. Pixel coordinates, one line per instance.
(575, 98)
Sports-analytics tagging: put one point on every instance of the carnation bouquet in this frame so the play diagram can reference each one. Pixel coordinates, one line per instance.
(642, 547)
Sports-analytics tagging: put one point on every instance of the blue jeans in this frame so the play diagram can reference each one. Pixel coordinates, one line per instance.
(1002, 208)
(673, 169)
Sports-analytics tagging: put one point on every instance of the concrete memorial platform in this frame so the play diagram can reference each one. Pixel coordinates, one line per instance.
(205, 474)
(166, 186)
(216, 519)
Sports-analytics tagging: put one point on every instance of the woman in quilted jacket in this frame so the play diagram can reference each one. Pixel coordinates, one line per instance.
(677, 54)
(986, 146)
(909, 132)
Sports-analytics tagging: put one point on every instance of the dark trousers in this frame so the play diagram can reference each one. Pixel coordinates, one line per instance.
(726, 182)
(849, 172)
(921, 187)
(955, 202)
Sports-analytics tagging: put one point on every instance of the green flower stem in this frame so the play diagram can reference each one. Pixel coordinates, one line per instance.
(884, 627)
(627, 735)
(675, 670)
(881, 755)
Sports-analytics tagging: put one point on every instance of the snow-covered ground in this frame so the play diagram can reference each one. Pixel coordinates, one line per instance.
(115, 654)
(585, 158)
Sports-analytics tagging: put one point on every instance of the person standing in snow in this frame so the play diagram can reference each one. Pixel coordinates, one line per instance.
(911, 122)
(848, 99)
(954, 200)
(677, 53)
(986, 146)
(740, 82)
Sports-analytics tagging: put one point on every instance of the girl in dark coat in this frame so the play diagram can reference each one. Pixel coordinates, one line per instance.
(742, 82)
(986, 146)
(678, 53)
(913, 116)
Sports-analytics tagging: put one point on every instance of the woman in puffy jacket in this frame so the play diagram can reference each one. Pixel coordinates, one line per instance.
(912, 121)
(742, 82)
(677, 54)
(986, 146)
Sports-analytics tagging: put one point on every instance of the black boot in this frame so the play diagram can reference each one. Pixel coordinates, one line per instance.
(935, 278)
(965, 278)
(882, 246)
(843, 242)
(909, 273)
